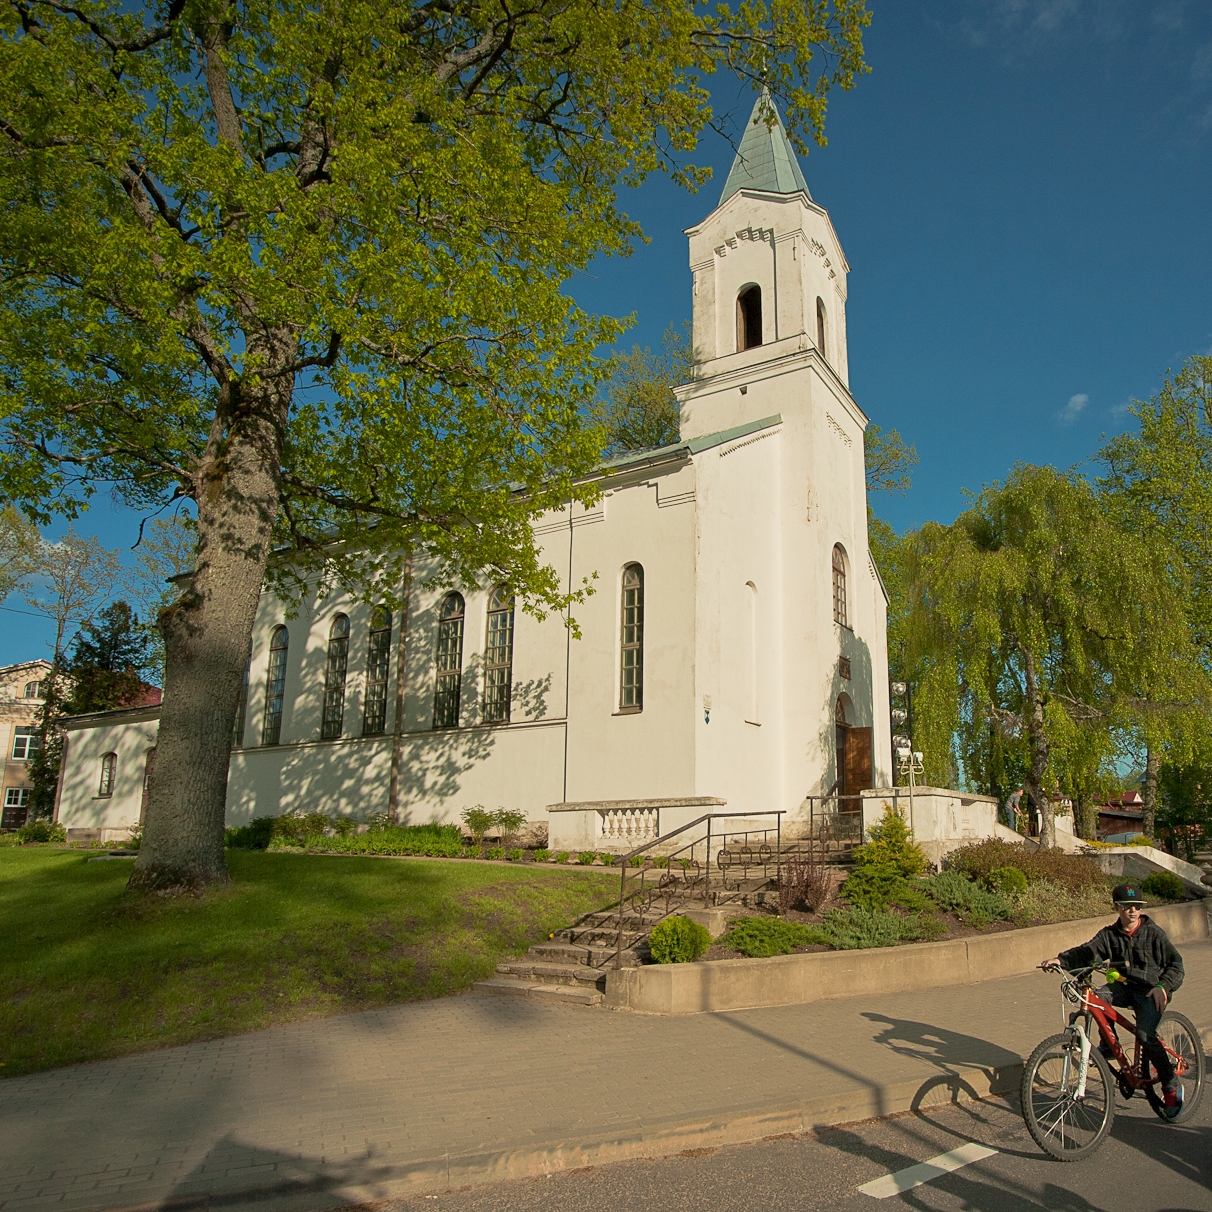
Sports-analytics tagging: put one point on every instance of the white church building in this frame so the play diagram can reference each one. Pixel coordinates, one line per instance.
(734, 649)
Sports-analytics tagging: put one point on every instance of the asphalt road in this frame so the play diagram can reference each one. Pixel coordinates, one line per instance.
(1145, 1166)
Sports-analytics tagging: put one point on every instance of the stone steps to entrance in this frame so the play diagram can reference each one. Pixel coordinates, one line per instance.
(559, 993)
(580, 975)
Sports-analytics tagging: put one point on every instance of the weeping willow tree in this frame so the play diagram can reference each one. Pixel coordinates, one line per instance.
(1038, 629)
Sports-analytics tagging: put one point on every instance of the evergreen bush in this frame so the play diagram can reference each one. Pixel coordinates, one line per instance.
(891, 844)
(854, 929)
(877, 885)
(1164, 886)
(1045, 901)
(41, 831)
(759, 937)
(969, 901)
(678, 940)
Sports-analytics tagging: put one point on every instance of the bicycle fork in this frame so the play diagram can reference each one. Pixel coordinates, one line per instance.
(1083, 1064)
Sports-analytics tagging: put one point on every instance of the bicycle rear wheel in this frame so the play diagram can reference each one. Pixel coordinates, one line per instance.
(1061, 1124)
(1178, 1034)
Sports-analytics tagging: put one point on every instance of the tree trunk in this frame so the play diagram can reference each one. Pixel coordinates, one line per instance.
(206, 637)
(1038, 738)
(1085, 819)
(1148, 792)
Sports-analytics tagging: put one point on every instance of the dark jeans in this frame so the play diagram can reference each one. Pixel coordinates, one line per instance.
(1144, 1008)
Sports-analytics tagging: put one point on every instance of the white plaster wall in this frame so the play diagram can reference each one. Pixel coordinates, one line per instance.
(739, 754)
(80, 807)
(647, 519)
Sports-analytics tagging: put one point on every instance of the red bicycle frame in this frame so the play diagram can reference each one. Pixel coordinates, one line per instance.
(1104, 1014)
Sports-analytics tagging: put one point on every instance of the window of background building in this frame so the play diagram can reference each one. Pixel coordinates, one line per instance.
(237, 732)
(275, 686)
(109, 766)
(631, 681)
(335, 672)
(498, 656)
(16, 807)
(378, 668)
(33, 690)
(26, 742)
(449, 688)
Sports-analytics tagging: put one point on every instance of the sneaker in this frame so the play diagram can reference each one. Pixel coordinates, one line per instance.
(1172, 1100)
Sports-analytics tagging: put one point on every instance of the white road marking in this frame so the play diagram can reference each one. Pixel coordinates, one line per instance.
(923, 1172)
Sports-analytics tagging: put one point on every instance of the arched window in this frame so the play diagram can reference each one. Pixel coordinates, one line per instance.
(449, 688)
(820, 326)
(275, 686)
(749, 318)
(109, 766)
(498, 656)
(839, 585)
(33, 690)
(333, 722)
(237, 732)
(378, 667)
(149, 764)
(631, 664)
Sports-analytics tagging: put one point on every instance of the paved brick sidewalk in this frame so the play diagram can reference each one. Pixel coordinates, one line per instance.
(390, 1102)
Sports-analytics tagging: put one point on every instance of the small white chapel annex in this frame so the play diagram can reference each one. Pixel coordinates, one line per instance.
(735, 647)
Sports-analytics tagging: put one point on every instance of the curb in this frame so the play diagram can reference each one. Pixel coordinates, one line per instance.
(663, 1138)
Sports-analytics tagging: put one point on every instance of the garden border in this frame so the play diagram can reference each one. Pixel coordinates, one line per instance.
(787, 980)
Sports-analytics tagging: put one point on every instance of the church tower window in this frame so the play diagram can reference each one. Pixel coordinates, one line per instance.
(275, 687)
(749, 318)
(449, 689)
(631, 678)
(378, 661)
(333, 722)
(498, 656)
(839, 586)
(820, 326)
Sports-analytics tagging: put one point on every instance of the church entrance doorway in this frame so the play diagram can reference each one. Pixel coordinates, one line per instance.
(854, 757)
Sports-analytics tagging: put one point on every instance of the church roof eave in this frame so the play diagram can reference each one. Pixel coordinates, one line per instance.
(679, 451)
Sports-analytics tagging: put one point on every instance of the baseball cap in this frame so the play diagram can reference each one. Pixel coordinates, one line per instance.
(1128, 894)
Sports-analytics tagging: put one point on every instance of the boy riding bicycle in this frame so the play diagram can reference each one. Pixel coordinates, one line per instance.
(1147, 969)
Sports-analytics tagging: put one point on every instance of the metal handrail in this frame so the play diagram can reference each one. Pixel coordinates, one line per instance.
(625, 860)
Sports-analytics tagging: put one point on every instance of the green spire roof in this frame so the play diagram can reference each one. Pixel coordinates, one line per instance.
(765, 159)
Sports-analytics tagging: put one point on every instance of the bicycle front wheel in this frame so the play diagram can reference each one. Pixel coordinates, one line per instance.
(1178, 1034)
(1062, 1124)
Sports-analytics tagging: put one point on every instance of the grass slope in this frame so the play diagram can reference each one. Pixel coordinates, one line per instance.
(87, 972)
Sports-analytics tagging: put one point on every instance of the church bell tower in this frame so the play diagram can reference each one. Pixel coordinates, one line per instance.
(769, 281)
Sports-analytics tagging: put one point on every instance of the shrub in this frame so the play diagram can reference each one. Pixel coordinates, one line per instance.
(514, 854)
(636, 860)
(495, 852)
(586, 857)
(763, 936)
(41, 831)
(1009, 881)
(969, 901)
(855, 929)
(562, 857)
(256, 835)
(1045, 901)
(877, 885)
(805, 880)
(891, 844)
(678, 940)
(979, 860)
(378, 820)
(609, 860)
(343, 826)
(136, 838)
(541, 855)
(1164, 886)
(509, 823)
(478, 823)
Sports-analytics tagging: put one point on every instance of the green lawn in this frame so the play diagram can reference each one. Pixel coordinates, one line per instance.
(87, 972)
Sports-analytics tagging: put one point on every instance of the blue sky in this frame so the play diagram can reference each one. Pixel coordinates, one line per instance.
(1023, 190)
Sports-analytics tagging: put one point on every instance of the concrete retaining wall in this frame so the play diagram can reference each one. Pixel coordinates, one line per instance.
(786, 980)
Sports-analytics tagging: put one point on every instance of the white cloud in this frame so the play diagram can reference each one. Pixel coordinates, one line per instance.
(1121, 410)
(1073, 409)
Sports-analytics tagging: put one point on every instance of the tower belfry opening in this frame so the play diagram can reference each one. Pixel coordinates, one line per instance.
(749, 318)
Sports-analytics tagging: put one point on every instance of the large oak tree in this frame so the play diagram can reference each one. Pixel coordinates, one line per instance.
(301, 262)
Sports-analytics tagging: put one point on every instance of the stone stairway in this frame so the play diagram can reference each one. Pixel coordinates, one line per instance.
(570, 967)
